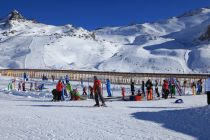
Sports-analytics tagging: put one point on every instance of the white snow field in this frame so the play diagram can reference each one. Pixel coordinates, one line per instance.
(175, 45)
(31, 116)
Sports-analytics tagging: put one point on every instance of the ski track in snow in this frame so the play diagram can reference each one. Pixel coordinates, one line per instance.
(37, 57)
(32, 118)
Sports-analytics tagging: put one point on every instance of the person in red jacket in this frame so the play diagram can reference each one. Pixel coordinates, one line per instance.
(165, 89)
(59, 88)
(98, 92)
(123, 93)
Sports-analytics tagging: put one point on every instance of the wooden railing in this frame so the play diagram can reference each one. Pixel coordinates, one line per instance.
(115, 77)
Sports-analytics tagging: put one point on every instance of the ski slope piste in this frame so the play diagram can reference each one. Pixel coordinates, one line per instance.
(29, 114)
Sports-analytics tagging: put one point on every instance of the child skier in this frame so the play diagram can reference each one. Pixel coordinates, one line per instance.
(123, 93)
(59, 88)
(84, 91)
(31, 86)
(156, 88)
(24, 86)
(91, 92)
(19, 86)
(108, 87)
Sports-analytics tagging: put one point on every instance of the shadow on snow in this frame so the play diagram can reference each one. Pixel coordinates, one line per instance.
(193, 121)
(57, 106)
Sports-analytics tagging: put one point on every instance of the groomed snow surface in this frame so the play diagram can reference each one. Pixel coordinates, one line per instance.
(31, 116)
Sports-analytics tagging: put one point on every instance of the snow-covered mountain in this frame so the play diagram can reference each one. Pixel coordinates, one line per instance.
(28, 44)
(176, 45)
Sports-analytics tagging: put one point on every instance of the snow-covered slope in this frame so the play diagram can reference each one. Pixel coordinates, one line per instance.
(28, 44)
(30, 115)
(176, 45)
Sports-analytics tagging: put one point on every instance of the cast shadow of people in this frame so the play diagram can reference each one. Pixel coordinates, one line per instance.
(194, 122)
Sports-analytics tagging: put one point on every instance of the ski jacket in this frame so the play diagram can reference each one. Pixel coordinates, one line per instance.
(97, 86)
(108, 85)
(59, 87)
(207, 85)
(132, 87)
(149, 85)
(68, 87)
(123, 91)
(165, 85)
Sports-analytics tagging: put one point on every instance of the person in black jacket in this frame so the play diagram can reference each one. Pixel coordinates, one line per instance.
(132, 88)
(143, 88)
(149, 89)
(156, 88)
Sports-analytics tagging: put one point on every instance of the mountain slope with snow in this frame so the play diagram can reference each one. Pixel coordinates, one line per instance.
(176, 45)
(179, 44)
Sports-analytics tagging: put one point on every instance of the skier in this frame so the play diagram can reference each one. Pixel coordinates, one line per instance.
(24, 76)
(132, 87)
(149, 89)
(63, 91)
(84, 91)
(40, 87)
(31, 86)
(142, 88)
(165, 89)
(53, 78)
(193, 86)
(69, 88)
(156, 88)
(67, 79)
(44, 78)
(172, 88)
(14, 82)
(139, 92)
(35, 86)
(55, 95)
(98, 92)
(24, 86)
(82, 84)
(91, 92)
(184, 86)
(9, 87)
(19, 86)
(76, 95)
(108, 87)
(59, 88)
(123, 93)
(207, 89)
(199, 86)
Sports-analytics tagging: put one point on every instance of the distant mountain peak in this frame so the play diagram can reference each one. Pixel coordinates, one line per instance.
(196, 12)
(15, 15)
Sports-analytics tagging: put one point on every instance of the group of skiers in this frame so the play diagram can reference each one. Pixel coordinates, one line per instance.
(32, 86)
(169, 87)
(65, 89)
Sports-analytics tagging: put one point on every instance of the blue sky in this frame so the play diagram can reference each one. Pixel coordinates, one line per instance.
(92, 14)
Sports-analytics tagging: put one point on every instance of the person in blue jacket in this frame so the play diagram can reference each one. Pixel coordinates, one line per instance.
(67, 79)
(108, 87)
